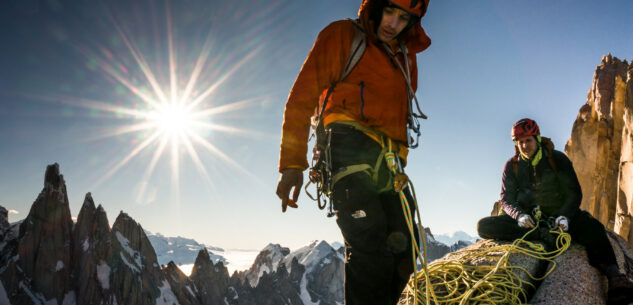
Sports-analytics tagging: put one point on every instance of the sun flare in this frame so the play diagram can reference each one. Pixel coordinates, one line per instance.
(173, 119)
(173, 107)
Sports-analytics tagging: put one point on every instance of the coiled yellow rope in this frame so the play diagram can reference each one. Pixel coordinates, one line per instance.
(458, 281)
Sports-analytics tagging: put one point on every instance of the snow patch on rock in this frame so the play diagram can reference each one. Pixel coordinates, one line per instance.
(85, 245)
(59, 266)
(167, 296)
(69, 298)
(103, 274)
(305, 295)
(125, 243)
(129, 264)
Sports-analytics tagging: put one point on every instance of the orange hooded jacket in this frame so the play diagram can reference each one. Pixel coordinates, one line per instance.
(374, 94)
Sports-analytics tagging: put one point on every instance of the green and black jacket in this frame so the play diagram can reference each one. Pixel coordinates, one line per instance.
(555, 190)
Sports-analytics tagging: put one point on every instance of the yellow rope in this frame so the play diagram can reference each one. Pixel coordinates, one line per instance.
(401, 181)
(458, 281)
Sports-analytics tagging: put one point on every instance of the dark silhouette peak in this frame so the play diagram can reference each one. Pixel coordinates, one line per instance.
(52, 176)
(88, 200)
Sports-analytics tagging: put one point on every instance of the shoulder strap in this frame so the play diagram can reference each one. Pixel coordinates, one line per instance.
(548, 146)
(357, 49)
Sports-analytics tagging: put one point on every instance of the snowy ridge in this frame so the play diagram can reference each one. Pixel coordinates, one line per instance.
(274, 255)
(180, 250)
(449, 239)
(167, 296)
(313, 257)
(266, 261)
(125, 244)
(309, 255)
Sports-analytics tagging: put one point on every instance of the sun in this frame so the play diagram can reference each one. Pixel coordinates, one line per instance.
(173, 119)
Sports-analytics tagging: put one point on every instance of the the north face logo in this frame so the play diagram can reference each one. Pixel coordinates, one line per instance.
(359, 214)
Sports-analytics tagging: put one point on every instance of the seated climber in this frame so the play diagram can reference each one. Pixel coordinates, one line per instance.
(541, 178)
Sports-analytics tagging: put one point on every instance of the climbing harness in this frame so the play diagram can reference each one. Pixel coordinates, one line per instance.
(459, 281)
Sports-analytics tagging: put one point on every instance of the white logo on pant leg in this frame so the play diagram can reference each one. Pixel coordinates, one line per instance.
(359, 214)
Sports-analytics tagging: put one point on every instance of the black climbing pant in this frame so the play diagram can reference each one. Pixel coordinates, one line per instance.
(378, 253)
(583, 228)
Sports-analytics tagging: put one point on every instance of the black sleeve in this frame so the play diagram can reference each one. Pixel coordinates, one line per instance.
(569, 185)
(509, 190)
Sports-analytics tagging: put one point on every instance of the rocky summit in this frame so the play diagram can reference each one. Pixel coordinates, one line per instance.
(37, 264)
(601, 146)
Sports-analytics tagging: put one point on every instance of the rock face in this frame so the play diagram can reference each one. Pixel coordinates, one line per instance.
(39, 269)
(601, 146)
(92, 253)
(574, 281)
(211, 279)
(52, 262)
(136, 276)
(184, 289)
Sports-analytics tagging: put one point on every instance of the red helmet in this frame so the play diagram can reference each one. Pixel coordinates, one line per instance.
(415, 7)
(523, 128)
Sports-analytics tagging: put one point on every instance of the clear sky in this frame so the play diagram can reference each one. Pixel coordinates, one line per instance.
(82, 84)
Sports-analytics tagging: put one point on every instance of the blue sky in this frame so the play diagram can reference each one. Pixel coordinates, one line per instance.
(69, 71)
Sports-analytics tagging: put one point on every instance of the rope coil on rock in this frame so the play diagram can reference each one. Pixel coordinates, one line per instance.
(458, 281)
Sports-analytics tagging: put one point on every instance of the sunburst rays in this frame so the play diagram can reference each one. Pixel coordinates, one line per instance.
(175, 110)
(159, 97)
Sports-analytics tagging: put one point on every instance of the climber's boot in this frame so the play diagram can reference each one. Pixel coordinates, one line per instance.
(620, 290)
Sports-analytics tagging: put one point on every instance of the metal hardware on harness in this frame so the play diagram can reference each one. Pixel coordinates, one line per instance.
(550, 222)
(321, 172)
(412, 123)
(328, 164)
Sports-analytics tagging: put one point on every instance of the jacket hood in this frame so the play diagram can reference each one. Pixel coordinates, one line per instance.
(415, 37)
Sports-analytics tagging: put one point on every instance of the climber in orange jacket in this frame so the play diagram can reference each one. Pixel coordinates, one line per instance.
(371, 105)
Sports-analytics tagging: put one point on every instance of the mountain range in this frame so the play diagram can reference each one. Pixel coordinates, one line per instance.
(49, 259)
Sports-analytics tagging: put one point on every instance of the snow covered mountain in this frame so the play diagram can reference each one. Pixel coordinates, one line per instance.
(450, 239)
(315, 271)
(181, 250)
(266, 262)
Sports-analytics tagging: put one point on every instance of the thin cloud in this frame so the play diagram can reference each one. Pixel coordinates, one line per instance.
(13, 212)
